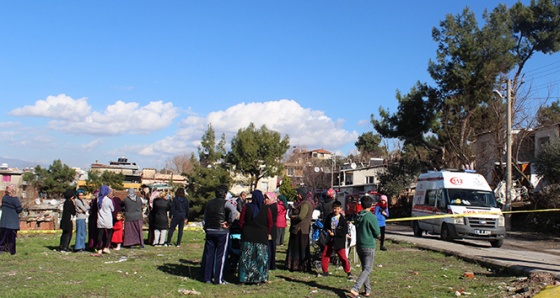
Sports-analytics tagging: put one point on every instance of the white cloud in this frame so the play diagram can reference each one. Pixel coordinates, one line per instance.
(91, 145)
(56, 107)
(74, 116)
(305, 127)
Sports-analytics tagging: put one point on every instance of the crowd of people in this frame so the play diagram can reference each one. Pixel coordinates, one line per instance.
(113, 223)
(241, 233)
(261, 220)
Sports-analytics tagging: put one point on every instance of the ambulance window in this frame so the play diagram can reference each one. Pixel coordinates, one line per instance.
(441, 203)
(431, 197)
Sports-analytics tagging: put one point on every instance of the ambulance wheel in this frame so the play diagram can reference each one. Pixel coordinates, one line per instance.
(497, 243)
(445, 235)
(416, 229)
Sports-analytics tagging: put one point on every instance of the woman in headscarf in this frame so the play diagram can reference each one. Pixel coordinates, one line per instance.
(256, 225)
(118, 224)
(104, 220)
(272, 202)
(9, 222)
(133, 234)
(298, 257)
(382, 213)
(68, 210)
(160, 207)
(81, 215)
(281, 219)
(92, 222)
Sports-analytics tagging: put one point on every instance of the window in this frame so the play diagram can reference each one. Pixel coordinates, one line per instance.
(291, 171)
(370, 179)
(543, 141)
(430, 197)
(264, 186)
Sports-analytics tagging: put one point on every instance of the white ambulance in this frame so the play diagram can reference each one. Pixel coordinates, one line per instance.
(440, 194)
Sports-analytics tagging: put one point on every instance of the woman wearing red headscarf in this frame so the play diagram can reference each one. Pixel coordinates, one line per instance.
(9, 222)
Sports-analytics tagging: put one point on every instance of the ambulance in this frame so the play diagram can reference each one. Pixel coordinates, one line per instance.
(441, 194)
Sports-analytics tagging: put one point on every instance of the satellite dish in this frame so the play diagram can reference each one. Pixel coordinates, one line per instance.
(316, 169)
(353, 166)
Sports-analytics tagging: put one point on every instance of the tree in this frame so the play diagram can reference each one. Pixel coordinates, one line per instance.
(56, 179)
(471, 62)
(369, 145)
(207, 173)
(258, 152)
(112, 179)
(549, 115)
(286, 188)
(180, 164)
(547, 163)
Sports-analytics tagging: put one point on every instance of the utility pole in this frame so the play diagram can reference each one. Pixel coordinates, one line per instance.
(508, 157)
(507, 205)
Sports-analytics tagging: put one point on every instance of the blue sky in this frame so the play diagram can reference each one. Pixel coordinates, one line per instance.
(93, 81)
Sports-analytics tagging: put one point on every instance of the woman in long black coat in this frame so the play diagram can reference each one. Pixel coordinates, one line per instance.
(161, 206)
(68, 210)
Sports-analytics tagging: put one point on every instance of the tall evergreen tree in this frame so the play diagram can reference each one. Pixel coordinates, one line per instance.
(207, 173)
(258, 152)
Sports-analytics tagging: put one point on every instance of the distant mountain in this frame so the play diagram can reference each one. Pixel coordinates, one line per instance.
(18, 163)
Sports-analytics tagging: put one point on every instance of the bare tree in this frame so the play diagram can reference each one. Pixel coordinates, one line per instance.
(180, 164)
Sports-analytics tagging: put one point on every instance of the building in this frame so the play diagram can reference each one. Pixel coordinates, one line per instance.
(152, 178)
(360, 178)
(304, 167)
(526, 144)
(11, 176)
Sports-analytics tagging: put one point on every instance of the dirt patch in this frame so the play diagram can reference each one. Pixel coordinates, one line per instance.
(527, 287)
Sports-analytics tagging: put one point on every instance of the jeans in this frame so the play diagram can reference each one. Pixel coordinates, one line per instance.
(80, 234)
(367, 256)
(176, 221)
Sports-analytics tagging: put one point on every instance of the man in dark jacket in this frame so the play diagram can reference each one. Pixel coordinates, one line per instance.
(217, 221)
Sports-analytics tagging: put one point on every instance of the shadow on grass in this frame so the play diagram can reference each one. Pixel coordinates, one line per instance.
(185, 268)
(312, 283)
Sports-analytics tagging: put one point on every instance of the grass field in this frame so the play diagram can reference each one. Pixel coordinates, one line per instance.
(402, 271)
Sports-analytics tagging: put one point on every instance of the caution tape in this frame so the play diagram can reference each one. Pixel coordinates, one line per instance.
(467, 215)
(197, 228)
(58, 231)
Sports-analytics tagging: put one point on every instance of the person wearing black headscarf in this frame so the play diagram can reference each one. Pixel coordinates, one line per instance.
(68, 210)
(298, 257)
(256, 224)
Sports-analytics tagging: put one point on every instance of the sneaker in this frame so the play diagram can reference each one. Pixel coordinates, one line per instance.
(350, 276)
(106, 251)
(178, 245)
(323, 274)
(383, 248)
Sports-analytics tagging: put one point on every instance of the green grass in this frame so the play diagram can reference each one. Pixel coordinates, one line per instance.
(402, 271)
